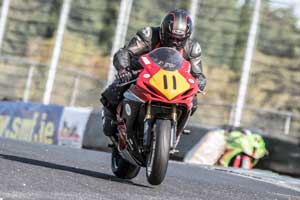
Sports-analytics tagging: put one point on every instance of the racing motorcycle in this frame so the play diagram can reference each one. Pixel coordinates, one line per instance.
(243, 150)
(152, 115)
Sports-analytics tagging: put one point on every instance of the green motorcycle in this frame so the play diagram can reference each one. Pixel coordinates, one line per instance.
(243, 149)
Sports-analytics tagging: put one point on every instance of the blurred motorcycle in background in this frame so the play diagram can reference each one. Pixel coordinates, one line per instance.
(243, 149)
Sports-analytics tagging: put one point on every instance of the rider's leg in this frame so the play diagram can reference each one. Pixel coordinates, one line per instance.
(109, 122)
(110, 99)
(195, 105)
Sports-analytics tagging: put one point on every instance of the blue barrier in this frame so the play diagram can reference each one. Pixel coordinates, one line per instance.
(48, 124)
(30, 121)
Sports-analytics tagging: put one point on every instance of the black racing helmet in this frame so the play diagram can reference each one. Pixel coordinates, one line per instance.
(175, 28)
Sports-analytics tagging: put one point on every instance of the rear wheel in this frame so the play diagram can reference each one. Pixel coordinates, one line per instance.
(158, 158)
(122, 168)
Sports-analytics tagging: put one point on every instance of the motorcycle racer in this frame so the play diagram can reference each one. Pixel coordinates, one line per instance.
(174, 31)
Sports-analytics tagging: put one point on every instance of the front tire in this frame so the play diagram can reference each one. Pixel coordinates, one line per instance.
(122, 168)
(158, 158)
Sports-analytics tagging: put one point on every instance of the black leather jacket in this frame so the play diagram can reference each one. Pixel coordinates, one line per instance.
(147, 39)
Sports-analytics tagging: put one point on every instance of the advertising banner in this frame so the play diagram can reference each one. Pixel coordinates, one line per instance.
(72, 126)
(30, 121)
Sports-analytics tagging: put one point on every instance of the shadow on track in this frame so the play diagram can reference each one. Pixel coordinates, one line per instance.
(70, 169)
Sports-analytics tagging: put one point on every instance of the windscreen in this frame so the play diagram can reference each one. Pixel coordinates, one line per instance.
(167, 58)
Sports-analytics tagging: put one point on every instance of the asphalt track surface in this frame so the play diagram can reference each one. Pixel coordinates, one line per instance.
(36, 171)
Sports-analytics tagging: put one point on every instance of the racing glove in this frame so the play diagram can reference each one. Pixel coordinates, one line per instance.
(124, 75)
(201, 82)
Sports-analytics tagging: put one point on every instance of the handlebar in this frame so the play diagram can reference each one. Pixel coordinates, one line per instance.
(134, 73)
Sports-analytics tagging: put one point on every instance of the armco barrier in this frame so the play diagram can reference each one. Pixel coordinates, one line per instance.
(67, 125)
(93, 135)
(284, 151)
(95, 139)
(284, 155)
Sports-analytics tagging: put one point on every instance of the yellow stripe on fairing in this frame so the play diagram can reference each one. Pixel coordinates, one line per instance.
(169, 83)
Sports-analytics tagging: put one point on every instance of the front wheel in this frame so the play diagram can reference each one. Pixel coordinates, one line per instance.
(121, 168)
(158, 158)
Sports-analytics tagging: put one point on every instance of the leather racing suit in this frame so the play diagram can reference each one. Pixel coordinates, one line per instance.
(145, 40)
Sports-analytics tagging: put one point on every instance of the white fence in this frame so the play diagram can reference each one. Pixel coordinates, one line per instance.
(25, 81)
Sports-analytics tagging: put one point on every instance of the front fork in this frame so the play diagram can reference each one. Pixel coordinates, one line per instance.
(173, 128)
(148, 126)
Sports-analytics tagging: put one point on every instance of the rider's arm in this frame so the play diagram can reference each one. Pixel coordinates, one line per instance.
(139, 44)
(194, 54)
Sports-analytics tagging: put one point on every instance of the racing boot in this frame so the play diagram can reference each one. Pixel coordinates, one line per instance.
(110, 124)
(195, 105)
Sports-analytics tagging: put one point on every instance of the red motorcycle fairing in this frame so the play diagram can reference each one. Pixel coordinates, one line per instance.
(146, 92)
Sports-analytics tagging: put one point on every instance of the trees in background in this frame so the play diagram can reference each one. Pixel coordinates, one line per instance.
(276, 63)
